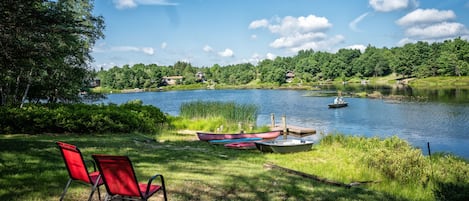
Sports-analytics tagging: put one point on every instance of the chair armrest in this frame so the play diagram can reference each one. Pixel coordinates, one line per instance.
(151, 180)
(92, 162)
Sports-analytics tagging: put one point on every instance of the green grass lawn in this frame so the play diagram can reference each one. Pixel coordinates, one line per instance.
(32, 169)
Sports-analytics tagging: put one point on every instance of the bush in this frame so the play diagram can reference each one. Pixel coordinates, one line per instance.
(81, 118)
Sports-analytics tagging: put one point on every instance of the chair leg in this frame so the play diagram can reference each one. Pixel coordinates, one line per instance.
(93, 189)
(107, 197)
(99, 194)
(65, 189)
(164, 188)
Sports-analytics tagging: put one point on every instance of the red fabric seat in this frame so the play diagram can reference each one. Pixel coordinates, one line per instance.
(77, 169)
(120, 180)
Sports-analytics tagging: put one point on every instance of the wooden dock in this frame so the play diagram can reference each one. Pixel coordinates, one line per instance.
(295, 129)
(291, 129)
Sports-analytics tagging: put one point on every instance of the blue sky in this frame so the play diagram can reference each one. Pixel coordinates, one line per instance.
(224, 32)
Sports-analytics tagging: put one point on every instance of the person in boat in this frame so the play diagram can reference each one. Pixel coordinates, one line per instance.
(336, 100)
(340, 100)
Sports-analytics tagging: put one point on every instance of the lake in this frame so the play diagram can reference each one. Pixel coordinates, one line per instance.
(442, 119)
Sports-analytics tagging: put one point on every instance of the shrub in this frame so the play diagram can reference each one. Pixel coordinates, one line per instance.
(81, 118)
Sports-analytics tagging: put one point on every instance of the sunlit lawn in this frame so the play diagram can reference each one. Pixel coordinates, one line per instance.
(32, 169)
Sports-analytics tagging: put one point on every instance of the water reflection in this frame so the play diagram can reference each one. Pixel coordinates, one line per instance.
(442, 120)
(453, 95)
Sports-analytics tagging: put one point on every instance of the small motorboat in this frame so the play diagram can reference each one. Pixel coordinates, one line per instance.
(338, 105)
(284, 145)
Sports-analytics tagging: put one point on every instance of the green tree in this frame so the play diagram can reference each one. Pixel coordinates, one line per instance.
(45, 46)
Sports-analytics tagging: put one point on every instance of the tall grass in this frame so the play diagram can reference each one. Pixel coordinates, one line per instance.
(404, 170)
(230, 112)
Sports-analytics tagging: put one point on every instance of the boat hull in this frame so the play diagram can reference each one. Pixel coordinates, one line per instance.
(239, 140)
(284, 146)
(241, 145)
(338, 105)
(214, 136)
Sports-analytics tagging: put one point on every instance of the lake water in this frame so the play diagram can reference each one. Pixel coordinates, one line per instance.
(442, 123)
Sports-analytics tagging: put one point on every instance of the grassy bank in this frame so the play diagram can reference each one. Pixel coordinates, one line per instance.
(32, 169)
(392, 79)
(441, 82)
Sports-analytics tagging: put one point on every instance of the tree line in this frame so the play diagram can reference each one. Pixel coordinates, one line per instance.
(420, 59)
(45, 49)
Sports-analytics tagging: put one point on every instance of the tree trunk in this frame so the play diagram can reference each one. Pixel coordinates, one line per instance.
(17, 88)
(27, 87)
(2, 97)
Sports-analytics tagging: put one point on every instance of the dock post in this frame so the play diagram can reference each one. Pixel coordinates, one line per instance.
(240, 127)
(272, 120)
(285, 130)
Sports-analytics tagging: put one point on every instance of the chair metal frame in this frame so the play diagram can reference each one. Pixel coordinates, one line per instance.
(77, 169)
(120, 179)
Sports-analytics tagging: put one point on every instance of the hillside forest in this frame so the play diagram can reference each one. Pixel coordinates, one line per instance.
(46, 46)
(421, 59)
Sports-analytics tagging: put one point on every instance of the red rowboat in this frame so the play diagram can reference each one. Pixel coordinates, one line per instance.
(214, 136)
(241, 145)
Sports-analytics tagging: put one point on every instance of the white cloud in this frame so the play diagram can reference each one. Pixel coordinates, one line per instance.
(326, 44)
(425, 16)
(207, 48)
(145, 50)
(270, 56)
(226, 53)
(253, 36)
(362, 48)
(255, 58)
(431, 25)
(164, 45)
(297, 40)
(105, 66)
(404, 41)
(124, 4)
(353, 24)
(148, 50)
(297, 33)
(290, 25)
(440, 30)
(258, 24)
(391, 5)
(125, 49)
(99, 47)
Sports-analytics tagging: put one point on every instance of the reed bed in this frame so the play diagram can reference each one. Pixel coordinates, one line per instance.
(231, 112)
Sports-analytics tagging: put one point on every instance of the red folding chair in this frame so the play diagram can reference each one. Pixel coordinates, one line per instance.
(120, 180)
(77, 169)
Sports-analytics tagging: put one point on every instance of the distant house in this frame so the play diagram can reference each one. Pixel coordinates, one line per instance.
(289, 76)
(96, 82)
(172, 80)
(200, 77)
